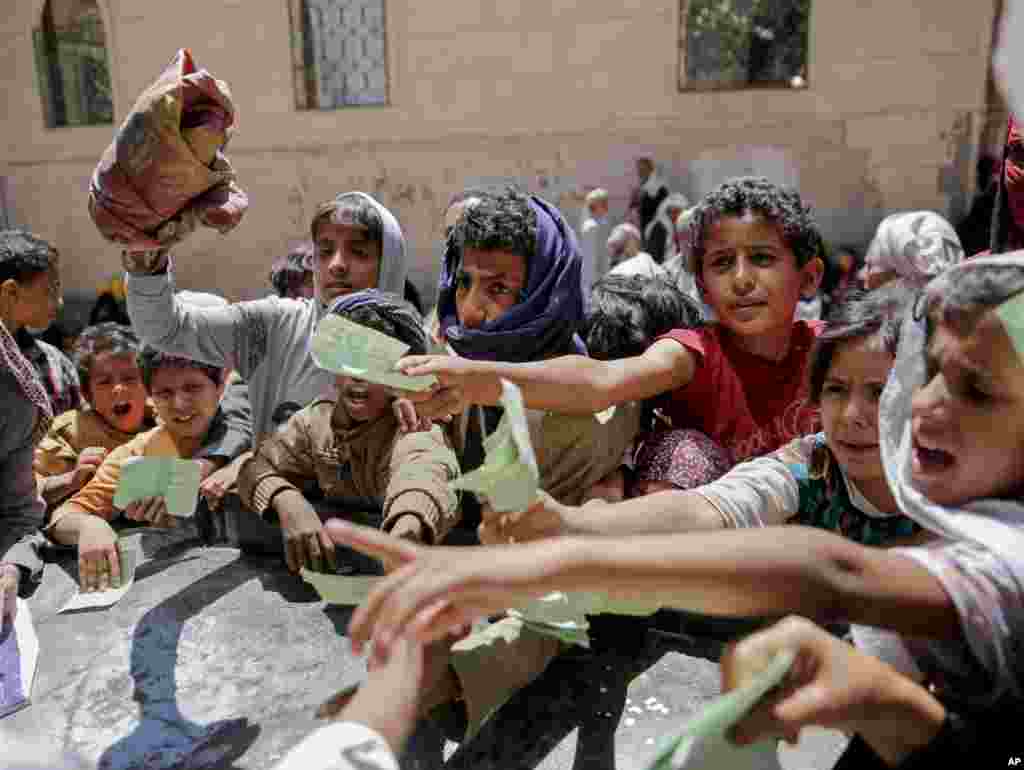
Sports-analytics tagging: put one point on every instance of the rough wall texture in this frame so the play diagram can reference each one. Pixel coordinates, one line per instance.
(560, 97)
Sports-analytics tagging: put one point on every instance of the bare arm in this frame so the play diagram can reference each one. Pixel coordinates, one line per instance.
(770, 571)
(572, 384)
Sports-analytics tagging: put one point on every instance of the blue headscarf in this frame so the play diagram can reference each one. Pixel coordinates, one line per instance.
(543, 323)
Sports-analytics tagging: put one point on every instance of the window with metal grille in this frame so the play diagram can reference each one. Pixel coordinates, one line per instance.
(72, 65)
(737, 44)
(339, 53)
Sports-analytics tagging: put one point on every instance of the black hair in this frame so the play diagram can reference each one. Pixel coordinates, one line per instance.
(108, 310)
(499, 222)
(412, 296)
(960, 300)
(288, 272)
(859, 315)
(151, 360)
(387, 313)
(628, 312)
(24, 255)
(350, 208)
(779, 204)
(106, 337)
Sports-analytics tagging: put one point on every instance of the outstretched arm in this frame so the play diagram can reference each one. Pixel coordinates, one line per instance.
(762, 572)
(572, 384)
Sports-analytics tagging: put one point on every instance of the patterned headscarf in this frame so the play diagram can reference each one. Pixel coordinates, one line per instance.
(28, 381)
(544, 323)
(684, 458)
(916, 245)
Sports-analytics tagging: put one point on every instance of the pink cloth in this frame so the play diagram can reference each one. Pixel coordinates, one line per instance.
(164, 174)
(28, 380)
(684, 458)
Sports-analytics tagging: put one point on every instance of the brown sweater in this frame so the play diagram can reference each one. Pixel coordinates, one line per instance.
(406, 473)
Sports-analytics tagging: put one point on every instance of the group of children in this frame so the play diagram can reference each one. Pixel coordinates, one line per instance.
(889, 439)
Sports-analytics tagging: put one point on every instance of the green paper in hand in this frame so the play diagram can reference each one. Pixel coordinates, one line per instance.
(353, 350)
(1011, 313)
(176, 481)
(340, 589)
(509, 477)
(558, 615)
(711, 724)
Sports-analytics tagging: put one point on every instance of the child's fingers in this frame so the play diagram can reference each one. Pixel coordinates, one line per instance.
(364, 622)
(372, 542)
(114, 560)
(415, 366)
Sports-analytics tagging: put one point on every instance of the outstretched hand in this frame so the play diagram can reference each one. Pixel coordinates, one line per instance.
(545, 518)
(460, 383)
(437, 590)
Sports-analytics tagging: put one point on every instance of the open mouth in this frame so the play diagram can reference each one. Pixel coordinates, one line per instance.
(357, 395)
(931, 460)
(854, 447)
(122, 410)
(183, 420)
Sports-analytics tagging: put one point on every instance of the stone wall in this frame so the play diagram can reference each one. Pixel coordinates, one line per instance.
(560, 96)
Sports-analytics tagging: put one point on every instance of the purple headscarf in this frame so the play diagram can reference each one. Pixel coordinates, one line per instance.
(543, 324)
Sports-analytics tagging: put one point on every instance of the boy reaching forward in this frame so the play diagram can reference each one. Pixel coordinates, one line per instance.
(351, 445)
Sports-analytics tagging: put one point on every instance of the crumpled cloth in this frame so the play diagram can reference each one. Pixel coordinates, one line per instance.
(165, 172)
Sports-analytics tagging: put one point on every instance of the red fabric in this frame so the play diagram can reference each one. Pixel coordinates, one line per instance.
(164, 173)
(749, 405)
(1014, 173)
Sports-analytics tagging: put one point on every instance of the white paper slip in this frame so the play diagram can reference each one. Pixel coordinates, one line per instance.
(176, 481)
(345, 347)
(129, 558)
(19, 653)
(702, 742)
(508, 479)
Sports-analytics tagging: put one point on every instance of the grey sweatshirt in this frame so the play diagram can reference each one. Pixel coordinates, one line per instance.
(266, 340)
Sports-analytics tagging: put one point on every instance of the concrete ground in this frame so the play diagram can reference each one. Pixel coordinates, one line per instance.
(218, 660)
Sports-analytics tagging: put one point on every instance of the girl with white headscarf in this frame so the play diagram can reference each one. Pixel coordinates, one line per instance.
(659, 235)
(914, 246)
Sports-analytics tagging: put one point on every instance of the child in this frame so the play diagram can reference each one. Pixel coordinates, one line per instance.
(29, 296)
(186, 395)
(359, 245)
(952, 437)
(351, 445)
(78, 440)
(292, 275)
(755, 251)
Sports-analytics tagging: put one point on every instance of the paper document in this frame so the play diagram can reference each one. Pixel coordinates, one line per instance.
(340, 589)
(19, 652)
(345, 347)
(176, 481)
(129, 558)
(508, 479)
(702, 742)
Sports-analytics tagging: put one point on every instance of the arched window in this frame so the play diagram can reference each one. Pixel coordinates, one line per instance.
(71, 61)
(339, 53)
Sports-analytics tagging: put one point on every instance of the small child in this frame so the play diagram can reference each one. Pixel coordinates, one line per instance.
(352, 446)
(187, 396)
(741, 381)
(78, 440)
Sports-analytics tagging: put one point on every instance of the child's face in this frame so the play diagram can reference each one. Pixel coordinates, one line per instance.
(750, 275)
(186, 400)
(116, 390)
(968, 418)
(347, 259)
(849, 406)
(37, 299)
(488, 285)
(364, 401)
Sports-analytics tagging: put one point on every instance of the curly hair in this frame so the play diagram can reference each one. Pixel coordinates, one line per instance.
(778, 204)
(151, 360)
(859, 315)
(288, 272)
(24, 255)
(107, 337)
(629, 312)
(499, 222)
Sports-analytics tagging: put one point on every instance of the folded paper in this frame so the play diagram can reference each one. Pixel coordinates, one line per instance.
(128, 556)
(353, 350)
(340, 589)
(176, 481)
(702, 742)
(508, 478)
(19, 652)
